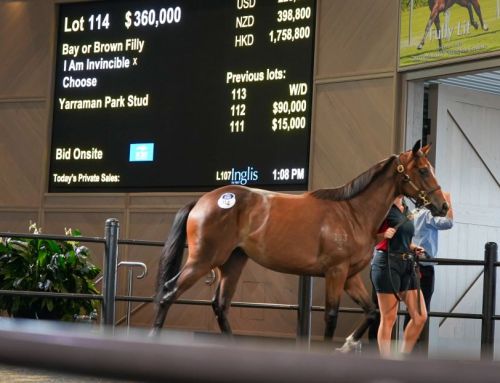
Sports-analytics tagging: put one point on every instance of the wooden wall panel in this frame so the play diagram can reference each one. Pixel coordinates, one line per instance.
(17, 221)
(90, 201)
(356, 37)
(353, 129)
(155, 226)
(161, 200)
(22, 153)
(151, 226)
(260, 285)
(90, 224)
(25, 27)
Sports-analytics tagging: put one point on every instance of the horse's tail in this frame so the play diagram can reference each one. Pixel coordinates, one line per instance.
(172, 252)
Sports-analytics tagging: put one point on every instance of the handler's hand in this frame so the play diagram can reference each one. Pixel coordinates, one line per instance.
(389, 233)
(419, 251)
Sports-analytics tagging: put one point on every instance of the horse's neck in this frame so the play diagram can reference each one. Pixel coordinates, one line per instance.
(372, 204)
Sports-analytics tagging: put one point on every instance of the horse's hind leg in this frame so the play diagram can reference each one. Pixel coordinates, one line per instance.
(477, 8)
(190, 273)
(165, 300)
(471, 16)
(356, 289)
(230, 273)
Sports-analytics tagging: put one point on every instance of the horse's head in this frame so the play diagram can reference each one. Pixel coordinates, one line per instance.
(418, 181)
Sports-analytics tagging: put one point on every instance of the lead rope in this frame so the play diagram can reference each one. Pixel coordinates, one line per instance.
(416, 273)
(389, 259)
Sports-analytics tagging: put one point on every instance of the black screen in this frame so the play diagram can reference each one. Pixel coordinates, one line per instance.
(182, 95)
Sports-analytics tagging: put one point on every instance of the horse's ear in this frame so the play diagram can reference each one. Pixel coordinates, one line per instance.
(426, 149)
(416, 148)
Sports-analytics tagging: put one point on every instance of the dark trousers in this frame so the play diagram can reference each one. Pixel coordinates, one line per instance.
(373, 329)
(427, 287)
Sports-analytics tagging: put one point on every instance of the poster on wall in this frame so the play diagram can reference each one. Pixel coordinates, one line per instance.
(436, 30)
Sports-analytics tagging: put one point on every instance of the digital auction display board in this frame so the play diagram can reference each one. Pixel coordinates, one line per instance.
(186, 95)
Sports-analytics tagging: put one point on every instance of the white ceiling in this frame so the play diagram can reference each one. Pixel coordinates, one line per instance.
(486, 81)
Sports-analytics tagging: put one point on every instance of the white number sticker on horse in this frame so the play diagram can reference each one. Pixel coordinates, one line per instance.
(226, 201)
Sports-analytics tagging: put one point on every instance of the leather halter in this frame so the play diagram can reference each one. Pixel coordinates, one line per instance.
(422, 198)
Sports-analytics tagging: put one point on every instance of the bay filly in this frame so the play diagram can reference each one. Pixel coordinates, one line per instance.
(326, 233)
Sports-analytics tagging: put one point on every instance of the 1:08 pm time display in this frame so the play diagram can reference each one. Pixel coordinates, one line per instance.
(288, 174)
(159, 95)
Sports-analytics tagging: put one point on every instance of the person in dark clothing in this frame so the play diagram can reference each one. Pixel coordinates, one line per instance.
(426, 236)
(373, 329)
(393, 275)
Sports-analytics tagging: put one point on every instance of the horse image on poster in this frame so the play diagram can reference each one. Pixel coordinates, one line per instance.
(439, 6)
(326, 233)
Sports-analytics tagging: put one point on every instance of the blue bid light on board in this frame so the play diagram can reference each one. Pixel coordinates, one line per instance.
(141, 152)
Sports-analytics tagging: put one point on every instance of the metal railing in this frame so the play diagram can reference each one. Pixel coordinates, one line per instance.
(461, 297)
(304, 308)
(130, 283)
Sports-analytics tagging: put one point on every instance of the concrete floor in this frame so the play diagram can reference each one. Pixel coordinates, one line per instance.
(13, 374)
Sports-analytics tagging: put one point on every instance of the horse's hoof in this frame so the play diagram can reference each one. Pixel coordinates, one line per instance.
(154, 333)
(485, 27)
(475, 25)
(350, 345)
(420, 46)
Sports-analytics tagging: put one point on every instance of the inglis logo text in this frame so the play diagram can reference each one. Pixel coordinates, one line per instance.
(237, 177)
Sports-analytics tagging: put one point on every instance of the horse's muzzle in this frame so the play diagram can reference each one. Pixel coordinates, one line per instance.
(439, 212)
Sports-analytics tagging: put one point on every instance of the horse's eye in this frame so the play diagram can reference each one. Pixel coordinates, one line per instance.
(424, 172)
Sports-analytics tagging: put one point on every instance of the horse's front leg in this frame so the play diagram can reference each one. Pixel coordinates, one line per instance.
(437, 23)
(334, 282)
(356, 289)
(471, 16)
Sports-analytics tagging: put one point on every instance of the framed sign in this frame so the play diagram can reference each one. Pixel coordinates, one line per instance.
(185, 95)
(437, 30)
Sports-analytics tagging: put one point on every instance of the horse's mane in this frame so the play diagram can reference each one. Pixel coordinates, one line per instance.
(357, 185)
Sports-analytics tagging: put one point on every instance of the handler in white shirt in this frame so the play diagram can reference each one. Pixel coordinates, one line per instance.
(426, 236)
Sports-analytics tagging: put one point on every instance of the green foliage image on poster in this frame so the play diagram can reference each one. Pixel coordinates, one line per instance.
(458, 35)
